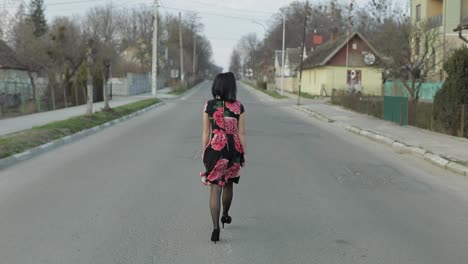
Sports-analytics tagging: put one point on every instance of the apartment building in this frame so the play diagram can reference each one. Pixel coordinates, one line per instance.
(445, 16)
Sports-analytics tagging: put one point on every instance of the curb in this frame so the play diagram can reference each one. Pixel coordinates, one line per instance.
(402, 148)
(28, 154)
(314, 114)
(399, 147)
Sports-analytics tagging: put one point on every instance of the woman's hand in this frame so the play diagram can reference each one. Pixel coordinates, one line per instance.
(205, 181)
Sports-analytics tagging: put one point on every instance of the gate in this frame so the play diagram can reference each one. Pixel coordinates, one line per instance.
(396, 109)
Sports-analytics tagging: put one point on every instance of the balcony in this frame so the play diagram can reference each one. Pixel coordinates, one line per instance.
(436, 21)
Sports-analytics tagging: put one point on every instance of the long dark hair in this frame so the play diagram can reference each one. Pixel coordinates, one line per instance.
(225, 87)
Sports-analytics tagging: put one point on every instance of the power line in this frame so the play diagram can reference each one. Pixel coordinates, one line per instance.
(112, 7)
(205, 4)
(211, 14)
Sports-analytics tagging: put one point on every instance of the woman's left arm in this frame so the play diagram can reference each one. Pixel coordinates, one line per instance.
(206, 131)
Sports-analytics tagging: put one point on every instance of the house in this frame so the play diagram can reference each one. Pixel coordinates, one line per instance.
(14, 78)
(463, 21)
(292, 59)
(330, 67)
(314, 40)
(445, 16)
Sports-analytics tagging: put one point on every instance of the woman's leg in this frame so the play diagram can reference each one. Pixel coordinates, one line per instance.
(215, 204)
(227, 197)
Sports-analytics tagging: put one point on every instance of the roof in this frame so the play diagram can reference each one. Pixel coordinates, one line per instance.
(324, 53)
(9, 59)
(294, 56)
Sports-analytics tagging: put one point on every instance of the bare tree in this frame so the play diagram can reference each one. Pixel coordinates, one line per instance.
(101, 23)
(235, 63)
(248, 48)
(410, 57)
(31, 50)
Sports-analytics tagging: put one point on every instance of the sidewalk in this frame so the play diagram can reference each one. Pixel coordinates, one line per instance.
(11, 125)
(444, 146)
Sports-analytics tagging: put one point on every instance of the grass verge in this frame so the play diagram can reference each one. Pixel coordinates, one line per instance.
(21, 141)
(308, 96)
(267, 92)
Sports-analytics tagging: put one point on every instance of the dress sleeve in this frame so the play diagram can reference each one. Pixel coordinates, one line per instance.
(242, 108)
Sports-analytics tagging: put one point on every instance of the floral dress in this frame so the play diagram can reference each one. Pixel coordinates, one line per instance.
(224, 154)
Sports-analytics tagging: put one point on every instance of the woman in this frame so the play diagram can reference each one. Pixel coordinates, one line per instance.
(223, 154)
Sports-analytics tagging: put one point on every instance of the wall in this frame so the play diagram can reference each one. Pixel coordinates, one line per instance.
(355, 57)
(435, 8)
(290, 84)
(464, 8)
(453, 14)
(119, 86)
(423, 4)
(134, 84)
(335, 77)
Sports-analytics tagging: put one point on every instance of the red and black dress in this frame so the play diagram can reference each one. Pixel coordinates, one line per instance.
(224, 154)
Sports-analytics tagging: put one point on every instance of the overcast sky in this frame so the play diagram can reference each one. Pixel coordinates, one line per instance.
(225, 20)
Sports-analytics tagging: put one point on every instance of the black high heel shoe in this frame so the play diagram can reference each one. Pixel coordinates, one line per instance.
(215, 235)
(226, 219)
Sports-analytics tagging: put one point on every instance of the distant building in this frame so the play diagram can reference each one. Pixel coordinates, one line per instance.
(330, 67)
(463, 21)
(445, 16)
(292, 60)
(14, 78)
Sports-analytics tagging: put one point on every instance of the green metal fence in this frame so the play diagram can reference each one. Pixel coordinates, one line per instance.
(396, 109)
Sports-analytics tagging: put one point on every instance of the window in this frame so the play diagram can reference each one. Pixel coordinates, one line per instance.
(357, 79)
(417, 46)
(354, 46)
(418, 12)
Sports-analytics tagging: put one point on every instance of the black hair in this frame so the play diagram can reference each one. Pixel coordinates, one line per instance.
(225, 87)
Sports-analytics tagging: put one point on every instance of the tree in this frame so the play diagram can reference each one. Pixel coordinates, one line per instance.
(410, 57)
(453, 94)
(29, 48)
(248, 48)
(235, 63)
(36, 17)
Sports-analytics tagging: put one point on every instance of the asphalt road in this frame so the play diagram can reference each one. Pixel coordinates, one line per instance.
(311, 193)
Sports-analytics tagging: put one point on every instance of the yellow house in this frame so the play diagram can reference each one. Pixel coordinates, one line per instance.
(344, 64)
(444, 16)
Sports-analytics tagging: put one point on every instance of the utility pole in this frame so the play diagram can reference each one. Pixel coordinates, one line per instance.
(444, 39)
(154, 83)
(89, 61)
(105, 75)
(181, 49)
(283, 54)
(194, 53)
(302, 53)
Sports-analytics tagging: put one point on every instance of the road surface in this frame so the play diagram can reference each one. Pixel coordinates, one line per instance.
(311, 193)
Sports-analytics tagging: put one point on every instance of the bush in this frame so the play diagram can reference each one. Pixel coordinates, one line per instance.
(454, 93)
(262, 85)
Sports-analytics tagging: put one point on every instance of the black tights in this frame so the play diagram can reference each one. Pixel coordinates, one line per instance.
(215, 204)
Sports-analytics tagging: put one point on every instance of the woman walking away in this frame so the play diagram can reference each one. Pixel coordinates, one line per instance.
(223, 151)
